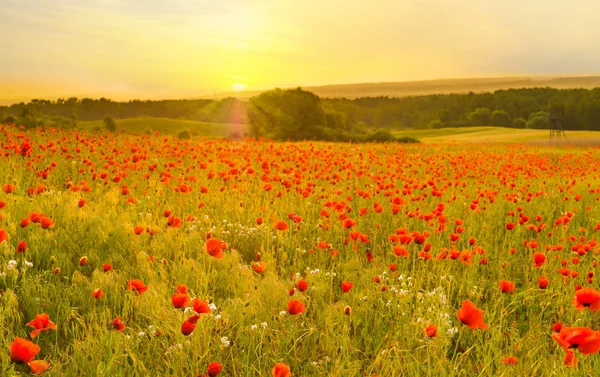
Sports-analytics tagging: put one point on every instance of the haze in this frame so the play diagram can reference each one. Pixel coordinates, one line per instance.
(178, 48)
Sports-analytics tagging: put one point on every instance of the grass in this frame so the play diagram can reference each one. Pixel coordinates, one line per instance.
(168, 126)
(447, 205)
(496, 135)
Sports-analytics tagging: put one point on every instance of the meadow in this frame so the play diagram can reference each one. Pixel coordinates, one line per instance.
(146, 255)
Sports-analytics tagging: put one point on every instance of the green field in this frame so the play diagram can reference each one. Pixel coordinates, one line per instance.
(168, 126)
(497, 135)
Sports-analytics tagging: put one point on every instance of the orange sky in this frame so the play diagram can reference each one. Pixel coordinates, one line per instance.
(125, 49)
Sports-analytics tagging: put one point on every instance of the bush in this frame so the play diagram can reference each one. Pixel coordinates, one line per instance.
(538, 121)
(184, 134)
(109, 124)
(500, 118)
(519, 123)
(480, 117)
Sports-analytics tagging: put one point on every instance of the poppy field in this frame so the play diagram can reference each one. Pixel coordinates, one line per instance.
(146, 255)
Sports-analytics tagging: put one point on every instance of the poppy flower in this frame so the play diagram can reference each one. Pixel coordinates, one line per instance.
(570, 359)
(471, 316)
(9, 188)
(38, 366)
(136, 285)
(583, 339)
(538, 259)
(137, 230)
(259, 267)
(3, 235)
(587, 298)
(83, 261)
(106, 267)
(21, 247)
(23, 351)
(118, 325)
(180, 298)
(348, 224)
(507, 286)
(213, 369)
(431, 331)
(46, 222)
(81, 203)
(214, 248)
(347, 286)
(41, 323)
(510, 360)
(24, 223)
(543, 282)
(97, 293)
(281, 225)
(188, 326)
(295, 307)
(281, 370)
(200, 306)
(302, 285)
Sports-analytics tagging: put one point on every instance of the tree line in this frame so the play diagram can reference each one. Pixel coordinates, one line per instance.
(578, 109)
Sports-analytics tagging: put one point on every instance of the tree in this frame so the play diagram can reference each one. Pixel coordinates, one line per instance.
(286, 114)
(500, 118)
(480, 117)
(539, 120)
(110, 124)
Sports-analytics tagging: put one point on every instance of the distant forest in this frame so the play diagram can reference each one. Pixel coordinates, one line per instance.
(578, 109)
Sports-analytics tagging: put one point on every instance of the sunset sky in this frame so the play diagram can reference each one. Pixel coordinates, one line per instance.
(126, 49)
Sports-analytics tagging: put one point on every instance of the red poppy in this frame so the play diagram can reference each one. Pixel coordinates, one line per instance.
(23, 351)
(295, 307)
(188, 326)
(213, 369)
(106, 267)
(281, 225)
(41, 323)
(83, 261)
(118, 325)
(137, 230)
(46, 222)
(9, 188)
(259, 267)
(81, 203)
(3, 235)
(538, 260)
(302, 285)
(471, 316)
(583, 339)
(200, 306)
(281, 370)
(38, 366)
(587, 298)
(180, 298)
(97, 293)
(507, 286)
(347, 286)
(431, 331)
(136, 285)
(543, 282)
(21, 247)
(348, 224)
(510, 360)
(214, 248)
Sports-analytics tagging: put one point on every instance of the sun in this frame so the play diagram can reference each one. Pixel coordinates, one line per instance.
(238, 87)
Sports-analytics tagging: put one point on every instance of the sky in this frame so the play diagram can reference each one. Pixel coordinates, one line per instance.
(148, 49)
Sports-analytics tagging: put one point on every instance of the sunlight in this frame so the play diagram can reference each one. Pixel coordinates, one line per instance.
(238, 87)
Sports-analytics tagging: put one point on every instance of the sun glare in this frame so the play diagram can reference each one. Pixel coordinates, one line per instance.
(238, 87)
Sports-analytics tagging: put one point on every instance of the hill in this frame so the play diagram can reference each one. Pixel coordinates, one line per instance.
(169, 126)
